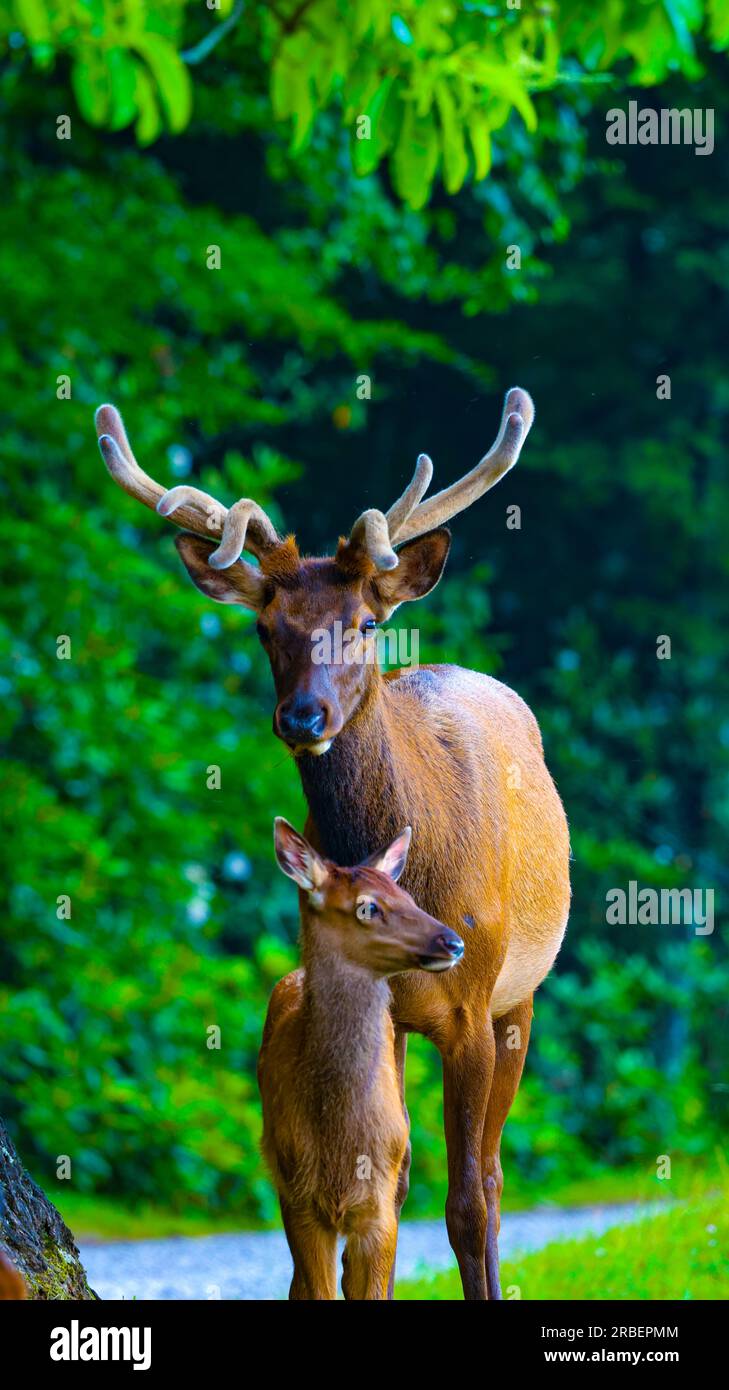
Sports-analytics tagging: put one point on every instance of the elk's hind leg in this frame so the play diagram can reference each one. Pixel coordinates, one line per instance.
(511, 1035)
(403, 1181)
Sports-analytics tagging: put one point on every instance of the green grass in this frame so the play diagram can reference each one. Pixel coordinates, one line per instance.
(103, 1218)
(691, 1180)
(678, 1254)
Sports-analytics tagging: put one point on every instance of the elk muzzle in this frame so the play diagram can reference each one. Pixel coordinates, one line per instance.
(306, 722)
(444, 951)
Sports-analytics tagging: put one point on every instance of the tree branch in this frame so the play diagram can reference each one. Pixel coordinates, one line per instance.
(195, 55)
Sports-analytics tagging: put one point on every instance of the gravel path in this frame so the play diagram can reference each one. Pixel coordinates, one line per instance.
(258, 1266)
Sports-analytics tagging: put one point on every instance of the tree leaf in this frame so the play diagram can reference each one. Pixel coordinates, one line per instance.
(292, 91)
(401, 31)
(455, 159)
(170, 74)
(123, 87)
(416, 157)
(149, 121)
(91, 85)
(367, 154)
(33, 20)
(719, 22)
(480, 135)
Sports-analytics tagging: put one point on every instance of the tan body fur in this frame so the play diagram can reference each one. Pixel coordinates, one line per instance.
(491, 841)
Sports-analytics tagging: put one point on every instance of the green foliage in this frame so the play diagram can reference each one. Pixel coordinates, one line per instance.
(421, 84)
(124, 58)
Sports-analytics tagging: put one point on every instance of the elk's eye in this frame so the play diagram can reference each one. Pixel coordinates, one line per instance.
(366, 910)
(369, 625)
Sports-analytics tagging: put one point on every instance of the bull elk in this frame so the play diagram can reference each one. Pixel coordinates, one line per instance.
(335, 1127)
(455, 754)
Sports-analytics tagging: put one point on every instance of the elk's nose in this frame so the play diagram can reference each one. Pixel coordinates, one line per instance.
(301, 720)
(444, 952)
(449, 944)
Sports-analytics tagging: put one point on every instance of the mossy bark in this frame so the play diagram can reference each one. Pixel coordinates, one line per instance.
(33, 1235)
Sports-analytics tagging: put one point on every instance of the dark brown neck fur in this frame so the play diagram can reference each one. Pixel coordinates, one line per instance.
(352, 791)
(377, 778)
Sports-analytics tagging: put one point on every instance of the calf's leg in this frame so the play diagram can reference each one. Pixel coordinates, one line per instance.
(314, 1253)
(370, 1258)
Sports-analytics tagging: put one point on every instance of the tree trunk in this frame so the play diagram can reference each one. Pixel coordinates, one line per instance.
(33, 1237)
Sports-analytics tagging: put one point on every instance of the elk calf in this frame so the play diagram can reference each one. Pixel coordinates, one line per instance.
(335, 1127)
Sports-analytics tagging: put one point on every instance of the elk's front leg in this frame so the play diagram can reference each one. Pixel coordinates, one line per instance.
(511, 1033)
(468, 1069)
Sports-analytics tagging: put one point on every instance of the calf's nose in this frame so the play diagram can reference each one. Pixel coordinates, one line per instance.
(450, 944)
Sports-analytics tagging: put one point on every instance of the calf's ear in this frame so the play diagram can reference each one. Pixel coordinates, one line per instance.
(392, 860)
(297, 858)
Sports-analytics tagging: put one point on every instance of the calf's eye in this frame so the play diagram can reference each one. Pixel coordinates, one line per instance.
(366, 910)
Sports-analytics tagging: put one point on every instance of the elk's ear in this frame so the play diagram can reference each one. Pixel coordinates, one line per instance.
(298, 859)
(420, 565)
(242, 583)
(392, 860)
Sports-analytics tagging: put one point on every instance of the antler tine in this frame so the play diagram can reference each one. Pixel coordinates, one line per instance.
(236, 525)
(244, 526)
(109, 421)
(374, 532)
(413, 494)
(124, 469)
(410, 516)
(371, 534)
(516, 421)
